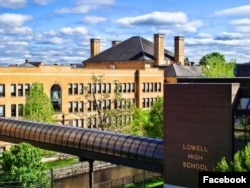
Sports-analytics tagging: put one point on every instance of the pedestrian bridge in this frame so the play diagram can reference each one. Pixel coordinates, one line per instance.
(127, 150)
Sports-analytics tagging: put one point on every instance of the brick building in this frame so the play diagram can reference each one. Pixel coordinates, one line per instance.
(138, 64)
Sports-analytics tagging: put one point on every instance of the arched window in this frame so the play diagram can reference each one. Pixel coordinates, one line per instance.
(55, 96)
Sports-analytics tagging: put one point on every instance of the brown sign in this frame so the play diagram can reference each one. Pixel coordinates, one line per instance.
(197, 130)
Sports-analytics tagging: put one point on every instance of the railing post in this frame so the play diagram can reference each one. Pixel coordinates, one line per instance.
(91, 173)
(51, 178)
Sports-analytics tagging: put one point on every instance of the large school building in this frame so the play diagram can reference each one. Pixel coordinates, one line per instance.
(140, 66)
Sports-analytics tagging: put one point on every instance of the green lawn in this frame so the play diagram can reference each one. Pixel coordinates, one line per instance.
(156, 183)
(60, 163)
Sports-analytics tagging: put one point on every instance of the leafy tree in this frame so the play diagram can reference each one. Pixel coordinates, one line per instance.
(154, 128)
(215, 65)
(241, 162)
(208, 57)
(21, 167)
(38, 106)
(140, 118)
(102, 102)
(147, 122)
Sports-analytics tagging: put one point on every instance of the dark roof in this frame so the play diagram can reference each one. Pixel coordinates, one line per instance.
(175, 70)
(134, 48)
(31, 64)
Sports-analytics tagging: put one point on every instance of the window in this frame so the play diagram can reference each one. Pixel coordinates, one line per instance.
(147, 87)
(70, 106)
(108, 104)
(159, 86)
(99, 88)
(20, 90)
(75, 106)
(80, 88)
(2, 90)
(89, 106)
(81, 123)
(94, 88)
(13, 110)
(13, 90)
(124, 87)
(81, 106)
(156, 86)
(104, 87)
(133, 87)
(143, 103)
(20, 109)
(75, 123)
(89, 88)
(128, 87)
(70, 89)
(27, 89)
(75, 89)
(109, 87)
(115, 104)
(89, 122)
(2, 111)
(55, 96)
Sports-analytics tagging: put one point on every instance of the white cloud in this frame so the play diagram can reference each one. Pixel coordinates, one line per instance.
(17, 30)
(241, 25)
(241, 10)
(94, 19)
(203, 35)
(229, 36)
(18, 43)
(96, 2)
(13, 3)
(48, 38)
(243, 28)
(74, 31)
(190, 26)
(13, 20)
(76, 10)
(244, 21)
(154, 18)
(43, 2)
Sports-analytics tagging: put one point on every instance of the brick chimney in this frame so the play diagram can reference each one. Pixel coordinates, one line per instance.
(94, 47)
(179, 50)
(115, 42)
(159, 40)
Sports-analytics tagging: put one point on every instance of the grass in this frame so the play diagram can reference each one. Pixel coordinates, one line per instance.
(155, 183)
(60, 163)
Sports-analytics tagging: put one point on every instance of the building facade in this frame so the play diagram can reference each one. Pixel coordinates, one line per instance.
(137, 64)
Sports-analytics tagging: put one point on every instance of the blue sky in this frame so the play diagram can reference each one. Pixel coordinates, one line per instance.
(59, 31)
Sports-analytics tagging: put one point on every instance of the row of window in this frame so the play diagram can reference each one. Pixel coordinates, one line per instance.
(78, 89)
(19, 90)
(15, 110)
(148, 102)
(79, 106)
(151, 87)
(94, 122)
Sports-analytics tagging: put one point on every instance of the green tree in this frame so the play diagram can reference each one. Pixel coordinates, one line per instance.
(136, 126)
(241, 162)
(215, 65)
(105, 115)
(21, 166)
(147, 122)
(154, 128)
(38, 106)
